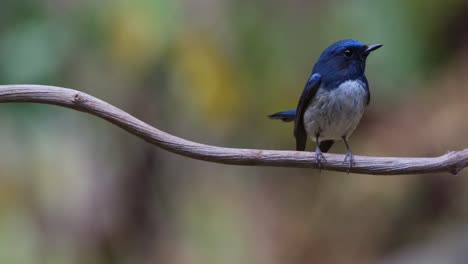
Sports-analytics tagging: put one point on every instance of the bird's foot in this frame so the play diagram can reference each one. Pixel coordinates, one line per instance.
(349, 158)
(319, 158)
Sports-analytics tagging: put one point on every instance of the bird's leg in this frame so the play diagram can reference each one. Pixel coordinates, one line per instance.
(349, 155)
(318, 153)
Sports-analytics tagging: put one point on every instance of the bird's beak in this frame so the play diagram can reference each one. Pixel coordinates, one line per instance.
(372, 47)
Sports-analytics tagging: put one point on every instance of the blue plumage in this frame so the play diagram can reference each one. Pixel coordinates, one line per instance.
(286, 116)
(334, 98)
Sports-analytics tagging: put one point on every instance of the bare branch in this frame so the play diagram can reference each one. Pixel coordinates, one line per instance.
(452, 162)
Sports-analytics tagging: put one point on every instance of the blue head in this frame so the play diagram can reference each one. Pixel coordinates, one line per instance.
(344, 60)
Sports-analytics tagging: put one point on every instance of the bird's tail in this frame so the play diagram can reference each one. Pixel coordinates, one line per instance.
(286, 116)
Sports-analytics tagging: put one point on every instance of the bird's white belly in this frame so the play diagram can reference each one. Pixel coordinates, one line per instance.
(336, 113)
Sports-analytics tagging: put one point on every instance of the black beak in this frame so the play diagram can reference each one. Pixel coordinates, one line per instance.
(372, 47)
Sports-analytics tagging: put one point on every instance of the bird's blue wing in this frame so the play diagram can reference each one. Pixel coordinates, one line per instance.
(308, 94)
(366, 86)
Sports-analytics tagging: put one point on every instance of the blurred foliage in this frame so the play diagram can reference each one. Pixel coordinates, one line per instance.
(75, 189)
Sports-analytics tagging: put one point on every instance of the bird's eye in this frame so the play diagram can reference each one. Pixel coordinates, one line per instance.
(348, 53)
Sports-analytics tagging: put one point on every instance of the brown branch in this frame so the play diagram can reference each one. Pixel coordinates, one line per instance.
(452, 162)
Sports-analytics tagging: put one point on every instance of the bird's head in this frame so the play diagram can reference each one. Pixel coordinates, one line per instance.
(345, 59)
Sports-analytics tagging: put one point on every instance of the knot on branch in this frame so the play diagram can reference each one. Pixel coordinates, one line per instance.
(455, 169)
(78, 98)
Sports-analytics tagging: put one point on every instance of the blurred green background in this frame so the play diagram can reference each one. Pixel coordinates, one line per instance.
(75, 189)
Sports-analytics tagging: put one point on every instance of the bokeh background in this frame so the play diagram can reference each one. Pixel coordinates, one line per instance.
(75, 189)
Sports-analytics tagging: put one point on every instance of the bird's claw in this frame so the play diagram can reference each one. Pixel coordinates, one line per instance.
(319, 158)
(350, 159)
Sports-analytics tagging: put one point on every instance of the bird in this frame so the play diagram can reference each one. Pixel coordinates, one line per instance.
(333, 99)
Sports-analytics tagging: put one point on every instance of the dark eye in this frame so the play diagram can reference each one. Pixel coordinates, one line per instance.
(348, 53)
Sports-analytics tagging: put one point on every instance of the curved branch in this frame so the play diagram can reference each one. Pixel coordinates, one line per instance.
(452, 162)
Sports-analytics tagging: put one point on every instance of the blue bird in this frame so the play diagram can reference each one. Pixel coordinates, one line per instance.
(333, 100)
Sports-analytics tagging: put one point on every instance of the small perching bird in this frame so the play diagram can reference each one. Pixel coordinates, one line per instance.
(333, 100)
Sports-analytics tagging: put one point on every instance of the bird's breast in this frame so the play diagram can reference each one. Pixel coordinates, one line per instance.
(335, 113)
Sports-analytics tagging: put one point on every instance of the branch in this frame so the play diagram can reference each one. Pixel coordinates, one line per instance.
(452, 162)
